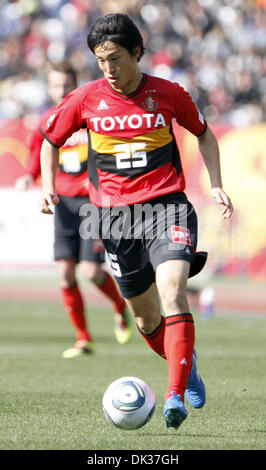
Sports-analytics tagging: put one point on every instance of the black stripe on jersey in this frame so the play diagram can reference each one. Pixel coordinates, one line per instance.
(176, 155)
(83, 167)
(92, 170)
(155, 159)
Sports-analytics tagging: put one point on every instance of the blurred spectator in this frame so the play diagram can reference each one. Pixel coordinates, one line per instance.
(214, 48)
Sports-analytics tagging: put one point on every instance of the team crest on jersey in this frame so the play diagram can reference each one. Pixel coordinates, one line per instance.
(150, 104)
(50, 120)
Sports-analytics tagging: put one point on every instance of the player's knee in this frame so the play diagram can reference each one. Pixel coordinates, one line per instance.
(174, 299)
(147, 323)
(64, 284)
(92, 272)
(147, 314)
(67, 273)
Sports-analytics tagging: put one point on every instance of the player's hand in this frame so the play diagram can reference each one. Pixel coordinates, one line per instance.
(47, 201)
(221, 197)
(24, 182)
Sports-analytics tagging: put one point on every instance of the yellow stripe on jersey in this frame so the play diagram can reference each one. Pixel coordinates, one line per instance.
(80, 151)
(106, 144)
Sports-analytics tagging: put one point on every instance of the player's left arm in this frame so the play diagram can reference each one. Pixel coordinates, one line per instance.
(210, 151)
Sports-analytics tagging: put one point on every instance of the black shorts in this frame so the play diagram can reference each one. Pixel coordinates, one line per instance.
(138, 238)
(68, 242)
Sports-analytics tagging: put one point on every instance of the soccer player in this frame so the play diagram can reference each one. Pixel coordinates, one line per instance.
(137, 182)
(70, 250)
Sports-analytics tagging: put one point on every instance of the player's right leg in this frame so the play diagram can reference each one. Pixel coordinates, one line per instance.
(146, 310)
(92, 266)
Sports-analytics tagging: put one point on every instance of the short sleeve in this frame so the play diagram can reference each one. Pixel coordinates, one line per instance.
(64, 120)
(187, 113)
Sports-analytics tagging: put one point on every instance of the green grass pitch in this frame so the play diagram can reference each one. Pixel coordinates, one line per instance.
(48, 402)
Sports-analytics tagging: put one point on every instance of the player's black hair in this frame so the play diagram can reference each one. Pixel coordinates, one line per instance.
(117, 28)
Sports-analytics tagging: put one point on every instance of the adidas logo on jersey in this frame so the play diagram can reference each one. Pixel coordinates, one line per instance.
(103, 105)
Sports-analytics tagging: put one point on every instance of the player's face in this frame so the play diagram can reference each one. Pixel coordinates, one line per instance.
(118, 66)
(59, 84)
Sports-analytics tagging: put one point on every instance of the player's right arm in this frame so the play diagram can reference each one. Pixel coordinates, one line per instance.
(49, 165)
(61, 124)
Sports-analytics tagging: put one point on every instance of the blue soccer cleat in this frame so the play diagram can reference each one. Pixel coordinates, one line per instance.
(195, 392)
(174, 411)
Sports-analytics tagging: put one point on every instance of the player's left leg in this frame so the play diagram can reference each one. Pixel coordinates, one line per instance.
(146, 309)
(183, 377)
(172, 254)
(171, 280)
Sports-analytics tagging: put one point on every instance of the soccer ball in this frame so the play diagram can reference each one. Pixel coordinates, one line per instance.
(129, 403)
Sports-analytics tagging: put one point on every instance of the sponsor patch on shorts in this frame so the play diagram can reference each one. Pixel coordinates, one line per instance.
(180, 235)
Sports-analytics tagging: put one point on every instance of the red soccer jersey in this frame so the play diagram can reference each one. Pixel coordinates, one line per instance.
(72, 179)
(133, 156)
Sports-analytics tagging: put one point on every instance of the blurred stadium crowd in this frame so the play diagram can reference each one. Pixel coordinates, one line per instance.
(214, 48)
